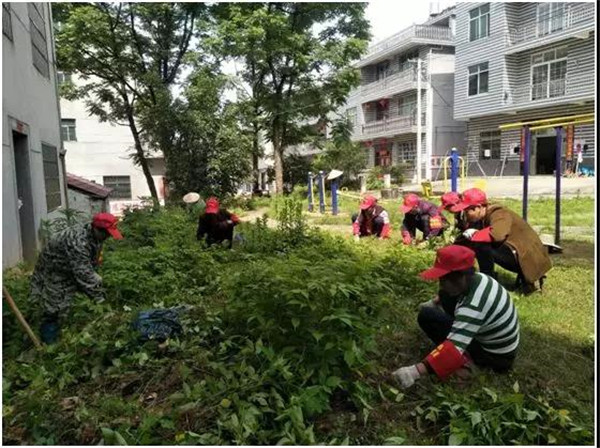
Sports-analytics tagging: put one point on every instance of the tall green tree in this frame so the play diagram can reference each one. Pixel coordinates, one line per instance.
(340, 152)
(129, 56)
(298, 55)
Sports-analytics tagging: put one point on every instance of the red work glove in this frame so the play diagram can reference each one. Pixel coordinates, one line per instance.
(483, 236)
(406, 239)
(385, 232)
(235, 219)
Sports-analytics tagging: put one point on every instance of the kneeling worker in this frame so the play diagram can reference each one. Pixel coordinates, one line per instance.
(373, 219)
(421, 215)
(484, 328)
(504, 239)
(216, 224)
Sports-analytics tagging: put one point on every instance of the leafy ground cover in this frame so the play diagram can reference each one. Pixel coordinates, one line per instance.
(291, 339)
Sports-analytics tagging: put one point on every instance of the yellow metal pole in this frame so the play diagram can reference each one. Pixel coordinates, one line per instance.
(554, 125)
(546, 121)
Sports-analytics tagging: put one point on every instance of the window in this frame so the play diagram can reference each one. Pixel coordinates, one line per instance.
(550, 18)
(478, 79)
(121, 186)
(67, 128)
(549, 74)
(406, 152)
(405, 61)
(490, 145)
(382, 111)
(479, 22)
(51, 177)
(407, 106)
(381, 70)
(6, 20)
(39, 46)
(63, 77)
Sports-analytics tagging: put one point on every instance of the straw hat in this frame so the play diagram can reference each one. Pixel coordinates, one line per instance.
(191, 198)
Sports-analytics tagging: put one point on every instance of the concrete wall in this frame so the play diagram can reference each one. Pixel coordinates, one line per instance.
(85, 203)
(102, 149)
(30, 103)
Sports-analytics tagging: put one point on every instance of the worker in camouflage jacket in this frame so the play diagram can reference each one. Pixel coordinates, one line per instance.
(67, 265)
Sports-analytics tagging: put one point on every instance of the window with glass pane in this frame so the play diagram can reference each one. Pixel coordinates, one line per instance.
(548, 78)
(550, 18)
(51, 177)
(479, 22)
(121, 186)
(39, 45)
(407, 106)
(67, 129)
(490, 145)
(558, 75)
(478, 79)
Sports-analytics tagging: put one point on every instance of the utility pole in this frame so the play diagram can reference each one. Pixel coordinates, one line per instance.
(419, 149)
(429, 122)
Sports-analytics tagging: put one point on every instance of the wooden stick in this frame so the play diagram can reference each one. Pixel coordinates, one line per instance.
(20, 318)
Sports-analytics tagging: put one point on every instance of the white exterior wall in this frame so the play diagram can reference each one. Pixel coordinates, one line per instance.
(85, 203)
(103, 149)
(30, 98)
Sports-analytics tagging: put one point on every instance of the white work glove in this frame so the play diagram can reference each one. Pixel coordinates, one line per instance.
(229, 221)
(468, 234)
(407, 375)
(356, 238)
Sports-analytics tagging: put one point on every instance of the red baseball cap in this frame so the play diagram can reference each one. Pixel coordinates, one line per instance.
(212, 206)
(368, 202)
(472, 197)
(449, 200)
(109, 223)
(411, 200)
(450, 259)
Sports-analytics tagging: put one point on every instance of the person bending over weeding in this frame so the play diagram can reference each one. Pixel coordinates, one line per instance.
(67, 264)
(216, 225)
(372, 220)
(421, 215)
(473, 320)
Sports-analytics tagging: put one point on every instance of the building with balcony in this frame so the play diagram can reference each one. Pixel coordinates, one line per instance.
(405, 100)
(33, 171)
(519, 62)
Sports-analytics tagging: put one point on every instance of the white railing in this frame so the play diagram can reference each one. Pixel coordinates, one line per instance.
(536, 92)
(394, 82)
(388, 126)
(573, 16)
(435, 33)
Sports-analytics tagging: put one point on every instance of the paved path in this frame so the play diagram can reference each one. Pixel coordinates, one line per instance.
(512, 186)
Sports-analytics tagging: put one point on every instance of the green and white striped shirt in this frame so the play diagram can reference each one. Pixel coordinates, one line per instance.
(487, 315)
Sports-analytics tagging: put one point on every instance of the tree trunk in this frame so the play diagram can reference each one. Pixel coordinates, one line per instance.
(142, 159)
(278, 159)
(255, 151)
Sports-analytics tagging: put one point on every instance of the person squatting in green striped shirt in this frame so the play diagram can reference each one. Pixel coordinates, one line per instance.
(472, 320)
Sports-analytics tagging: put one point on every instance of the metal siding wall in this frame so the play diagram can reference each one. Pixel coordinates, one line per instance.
(471, 53)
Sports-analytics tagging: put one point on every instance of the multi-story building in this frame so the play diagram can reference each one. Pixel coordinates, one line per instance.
(33, 174)
(519, 62)
(100, 152)
(405, 100)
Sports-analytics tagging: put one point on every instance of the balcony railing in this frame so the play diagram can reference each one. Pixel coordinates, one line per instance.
(433, 33)
(388, 127)
(394, 83)
(572, 17)
(536, 92)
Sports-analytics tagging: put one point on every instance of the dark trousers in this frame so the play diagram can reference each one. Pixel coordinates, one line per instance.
(50, 328)
(488, 255)
(437, 325)
(376, 227)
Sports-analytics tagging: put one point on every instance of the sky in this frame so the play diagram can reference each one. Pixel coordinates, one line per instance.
(390, 17)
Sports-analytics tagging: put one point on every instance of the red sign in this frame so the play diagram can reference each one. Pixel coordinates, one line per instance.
(570, 140)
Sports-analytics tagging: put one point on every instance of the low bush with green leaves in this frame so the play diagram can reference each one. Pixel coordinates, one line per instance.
(289, 338)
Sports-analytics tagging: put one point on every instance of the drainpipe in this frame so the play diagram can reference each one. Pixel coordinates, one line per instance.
(429, 123)
(62, 150)
(419, 162)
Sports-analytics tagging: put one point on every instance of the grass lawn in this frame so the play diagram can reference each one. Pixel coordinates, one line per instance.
(295, 343)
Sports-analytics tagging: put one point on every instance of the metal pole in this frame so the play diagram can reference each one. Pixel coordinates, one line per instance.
(558, 176)
(526, 151)
(419, 149)
(454, 169)
(310, 192)
(321, 192)
(334, 198)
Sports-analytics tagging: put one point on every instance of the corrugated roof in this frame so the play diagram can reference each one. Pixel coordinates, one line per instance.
(87, 186)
